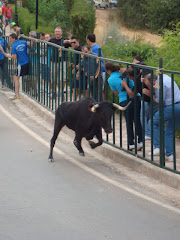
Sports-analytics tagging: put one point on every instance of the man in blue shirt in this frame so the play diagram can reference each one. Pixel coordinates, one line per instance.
(3, 45)
(19, 52)
(91, 41)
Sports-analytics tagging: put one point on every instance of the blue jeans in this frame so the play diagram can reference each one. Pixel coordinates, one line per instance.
(168, 128)
(147, 116)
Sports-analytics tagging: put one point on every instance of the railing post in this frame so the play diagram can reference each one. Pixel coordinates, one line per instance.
(135, 108)
(62, 72)
(99, 77)
(16, 14)
(161, 116)
(173, 122)
(38, 68)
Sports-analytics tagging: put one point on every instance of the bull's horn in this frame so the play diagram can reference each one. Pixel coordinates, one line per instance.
(93, 108)
(121, 108)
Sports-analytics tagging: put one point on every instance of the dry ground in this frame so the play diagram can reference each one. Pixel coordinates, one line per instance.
(108, 25)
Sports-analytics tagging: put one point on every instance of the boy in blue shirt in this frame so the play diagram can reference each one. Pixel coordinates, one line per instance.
(3, 45)
(116, 84)
(19, 52)
(91, 41)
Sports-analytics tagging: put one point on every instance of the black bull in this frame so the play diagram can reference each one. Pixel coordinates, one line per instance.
(87, 118)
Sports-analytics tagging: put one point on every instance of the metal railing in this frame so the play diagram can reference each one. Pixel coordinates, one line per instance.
(58, 74)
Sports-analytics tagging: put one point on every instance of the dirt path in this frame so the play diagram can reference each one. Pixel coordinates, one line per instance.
(107, 25)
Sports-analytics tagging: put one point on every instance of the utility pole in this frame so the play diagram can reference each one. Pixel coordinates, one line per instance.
(36, 14)
(16, 15)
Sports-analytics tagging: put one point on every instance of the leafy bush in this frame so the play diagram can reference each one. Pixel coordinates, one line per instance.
(55, 13)
(152, 14)
(126, 51)
(161, 14)
(131, 13)
(83, 19)
(68, 4)
(31, 4)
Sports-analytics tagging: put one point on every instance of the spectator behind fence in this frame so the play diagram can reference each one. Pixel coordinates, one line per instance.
(167, 106)
(42, 36)
(4, 9)
(90, 68)
(130, 72)
(17, 29)
(19, 52)
(76, 45)
(59, 40)
(144, 105)
(115, 82)
(91, 41)
(138, 59)
(47, 37)
(45, 61)
(8, 15)
(3, 44)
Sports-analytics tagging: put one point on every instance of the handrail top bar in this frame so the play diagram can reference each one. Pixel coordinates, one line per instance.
(101, 58)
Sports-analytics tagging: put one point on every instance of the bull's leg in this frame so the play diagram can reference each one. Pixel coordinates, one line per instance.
(57, 128)
(99, 137)
(77, 143)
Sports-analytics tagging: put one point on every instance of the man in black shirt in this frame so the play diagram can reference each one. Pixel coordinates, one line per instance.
(75, 84)
(61, 41)
(130, 72)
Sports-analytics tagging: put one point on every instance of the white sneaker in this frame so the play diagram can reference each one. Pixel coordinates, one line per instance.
(156, 152)
(147, 138)
(169, 158)
(131, 147)
(139, 146)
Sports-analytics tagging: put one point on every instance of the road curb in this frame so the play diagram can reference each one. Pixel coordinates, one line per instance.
(120, 156)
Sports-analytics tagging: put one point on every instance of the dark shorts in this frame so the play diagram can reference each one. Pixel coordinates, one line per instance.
(45, 72)
(22, 70)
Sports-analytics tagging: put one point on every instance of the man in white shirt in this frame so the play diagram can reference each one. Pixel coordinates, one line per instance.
(168, 118)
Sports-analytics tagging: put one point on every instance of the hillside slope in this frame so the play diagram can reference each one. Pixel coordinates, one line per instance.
(108, 25)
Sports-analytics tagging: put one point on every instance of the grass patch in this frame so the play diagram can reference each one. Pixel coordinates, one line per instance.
(27, 22)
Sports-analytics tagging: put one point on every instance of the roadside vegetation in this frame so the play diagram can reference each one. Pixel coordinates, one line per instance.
(169, 51)
(155, 15)
(74, 16)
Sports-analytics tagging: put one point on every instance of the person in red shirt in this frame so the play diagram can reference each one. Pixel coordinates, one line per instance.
(8, 15)
(4, 9)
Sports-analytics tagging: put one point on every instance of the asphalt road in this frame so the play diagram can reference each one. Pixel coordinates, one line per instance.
(61, 200)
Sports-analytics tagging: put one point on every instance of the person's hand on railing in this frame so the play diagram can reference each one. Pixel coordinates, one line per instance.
(8, 55)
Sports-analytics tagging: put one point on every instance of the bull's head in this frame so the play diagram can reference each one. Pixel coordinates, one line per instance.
(104, 112)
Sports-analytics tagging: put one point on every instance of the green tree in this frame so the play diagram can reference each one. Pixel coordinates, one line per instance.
(161, 14)
(55, 13)
(68, 4)
(131, 13)
(152, 14)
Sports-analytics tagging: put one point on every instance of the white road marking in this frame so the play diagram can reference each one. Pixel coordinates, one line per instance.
(85, 168)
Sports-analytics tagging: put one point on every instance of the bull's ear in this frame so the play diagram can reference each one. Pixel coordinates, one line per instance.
(93, 107)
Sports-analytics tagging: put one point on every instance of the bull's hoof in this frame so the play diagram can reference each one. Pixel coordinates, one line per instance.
(81, 154)
(51, 160)
(92, 144)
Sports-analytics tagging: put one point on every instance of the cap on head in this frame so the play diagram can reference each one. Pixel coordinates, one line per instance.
(12, 24)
